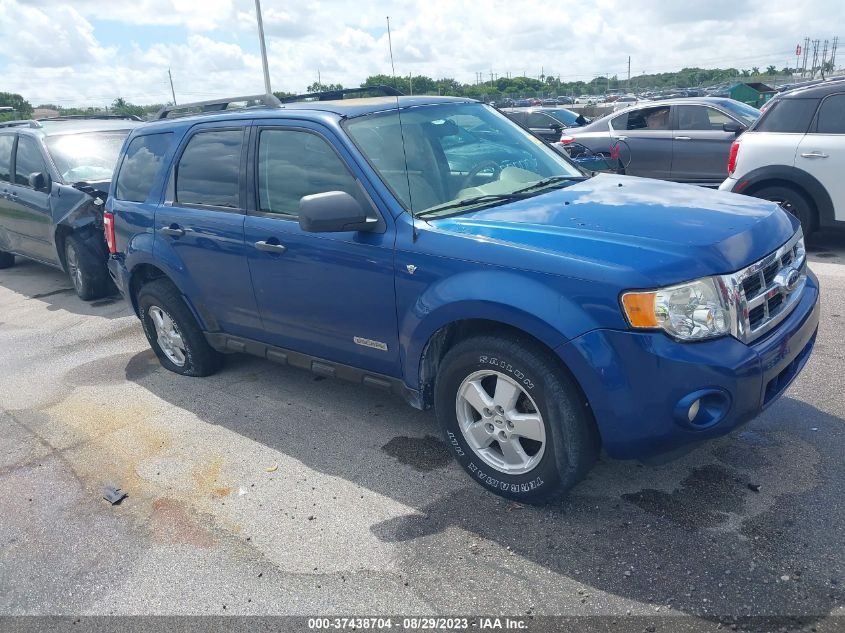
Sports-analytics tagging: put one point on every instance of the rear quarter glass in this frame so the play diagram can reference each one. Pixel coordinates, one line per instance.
(789, 116)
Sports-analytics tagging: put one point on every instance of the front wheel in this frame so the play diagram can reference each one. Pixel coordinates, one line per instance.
(86, 270)
(793, 202)
(514, 419)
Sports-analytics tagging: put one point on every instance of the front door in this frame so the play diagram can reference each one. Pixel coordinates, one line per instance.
(700, 144)
(329, 295)
(822, 151)
(32, 217)
(7, 237)
(200, 227)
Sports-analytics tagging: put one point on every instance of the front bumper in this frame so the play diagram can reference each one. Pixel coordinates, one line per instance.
(634, 381)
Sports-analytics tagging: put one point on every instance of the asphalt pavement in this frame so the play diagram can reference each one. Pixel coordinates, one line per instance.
(267, 490)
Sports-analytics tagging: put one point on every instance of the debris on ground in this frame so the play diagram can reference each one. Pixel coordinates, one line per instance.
(272, 469)
(114, 495)
(754, 487)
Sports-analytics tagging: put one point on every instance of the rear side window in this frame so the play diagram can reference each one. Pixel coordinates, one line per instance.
(656, 118)
(831, 118)
(788, 116)
(6, 142)
(292, 164)
(539, 120)
(208, 172)
(141, 165)
(27, 161)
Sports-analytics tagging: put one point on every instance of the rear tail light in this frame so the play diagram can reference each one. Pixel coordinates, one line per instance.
(732, 158)
(108, 230)
(566, 139)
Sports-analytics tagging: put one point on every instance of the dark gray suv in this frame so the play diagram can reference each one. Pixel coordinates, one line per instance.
(54, 178)
(685, 140)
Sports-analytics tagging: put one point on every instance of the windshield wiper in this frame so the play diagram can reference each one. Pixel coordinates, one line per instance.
(466, 202)
(552, 180)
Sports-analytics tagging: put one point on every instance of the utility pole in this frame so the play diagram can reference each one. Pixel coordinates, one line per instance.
(833, 52)
(815, 58)
(411, 84)
(804, 63)
(319, 80)
(824, 58)
(172, 91)
(263, 47)
(628, 87)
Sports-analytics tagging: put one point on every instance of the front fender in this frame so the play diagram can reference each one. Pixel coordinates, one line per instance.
(517, 300)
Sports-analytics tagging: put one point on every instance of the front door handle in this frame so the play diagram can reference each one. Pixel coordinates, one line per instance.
(683, 138)
(173, 230)
(814, 155)
(270, 247)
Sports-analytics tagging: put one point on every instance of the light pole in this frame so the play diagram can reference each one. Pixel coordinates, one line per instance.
(263, 47)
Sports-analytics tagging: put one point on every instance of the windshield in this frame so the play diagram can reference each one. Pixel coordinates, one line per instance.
(747, 113)
(454, 152)
(86, 156)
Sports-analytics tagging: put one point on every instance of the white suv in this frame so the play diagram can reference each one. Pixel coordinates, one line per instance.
(795, 155)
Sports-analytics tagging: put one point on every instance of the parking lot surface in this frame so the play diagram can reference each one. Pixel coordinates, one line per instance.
(267, 490)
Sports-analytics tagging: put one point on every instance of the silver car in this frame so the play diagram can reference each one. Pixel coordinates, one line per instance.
(685, 140)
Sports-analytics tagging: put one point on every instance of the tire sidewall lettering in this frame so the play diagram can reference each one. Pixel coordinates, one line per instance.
(518, 375)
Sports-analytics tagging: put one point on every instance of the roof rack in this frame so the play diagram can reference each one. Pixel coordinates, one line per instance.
(20, 123)
(218, 105)
(333, 95)
(78, 117)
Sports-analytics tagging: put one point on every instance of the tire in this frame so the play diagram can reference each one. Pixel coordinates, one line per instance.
(7, 260)
(160, 301)
(553, 459)
(86, 269)
(794, 202)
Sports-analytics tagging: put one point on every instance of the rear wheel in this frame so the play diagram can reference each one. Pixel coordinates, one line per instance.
(87, 271)
(794, 202)
(514, 419)
(173, 333)
(7, 260)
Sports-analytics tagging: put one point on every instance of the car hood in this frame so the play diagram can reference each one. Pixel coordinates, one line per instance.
(654, 231)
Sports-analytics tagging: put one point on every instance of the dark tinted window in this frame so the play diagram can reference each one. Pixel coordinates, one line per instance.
(519, 117)
(832, 115)
(788, 115)
(292, 164)
(567, 117)
(139, 169)
(28, 160)
(696, 117)
(6, 142)
(656, 118)
(209, 168)
(539, 120)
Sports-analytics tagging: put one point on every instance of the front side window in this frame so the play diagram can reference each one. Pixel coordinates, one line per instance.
(89, 156)
(209, 169)
(6, 143)
(293, 164)
(27, 160)
(539, 120)
(141, 165)
(656, 118)
(831, 119)
(697, 117)
(453, 152)
(788, 116)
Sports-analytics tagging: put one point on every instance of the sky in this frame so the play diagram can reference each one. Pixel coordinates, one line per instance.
(88, 52)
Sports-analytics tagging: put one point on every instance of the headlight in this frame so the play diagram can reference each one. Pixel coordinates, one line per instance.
(690, 312)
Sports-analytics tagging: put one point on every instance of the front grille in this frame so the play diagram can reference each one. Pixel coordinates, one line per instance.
(767, 291)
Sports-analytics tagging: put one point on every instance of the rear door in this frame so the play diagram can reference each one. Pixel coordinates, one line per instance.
(31, 216)
(329, 295)
(700, 145)
(822, 151)
(199, 229)
(7, 143)
(643, 140)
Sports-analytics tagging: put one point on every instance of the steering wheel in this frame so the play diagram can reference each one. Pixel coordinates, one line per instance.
(497, 169)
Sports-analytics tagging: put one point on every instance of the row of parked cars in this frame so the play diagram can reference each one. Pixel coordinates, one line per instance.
(434, 248)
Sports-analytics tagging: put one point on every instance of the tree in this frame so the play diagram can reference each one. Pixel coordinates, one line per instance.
(771, 70)
(124, 108)
(318, 87)
(23, 108)
(755, 71)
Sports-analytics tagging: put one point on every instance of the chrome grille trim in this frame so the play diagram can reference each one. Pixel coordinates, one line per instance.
(740, 306)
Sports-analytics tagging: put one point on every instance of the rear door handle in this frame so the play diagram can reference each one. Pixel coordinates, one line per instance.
(173, 230)
(683, 138)
(270, 247)
(814, 155)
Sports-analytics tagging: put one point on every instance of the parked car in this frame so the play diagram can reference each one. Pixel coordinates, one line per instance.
(624, 101)
(542, 313)
(564, 100)
(547, 123)
(585, 100)
(682, 140)
(795, 155)
(54, 178)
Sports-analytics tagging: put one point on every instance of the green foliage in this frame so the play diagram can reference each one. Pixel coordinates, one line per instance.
(23, 108)
(124, 108)
(318, 87)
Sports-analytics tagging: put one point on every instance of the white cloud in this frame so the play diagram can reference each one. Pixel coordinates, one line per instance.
(213, 49)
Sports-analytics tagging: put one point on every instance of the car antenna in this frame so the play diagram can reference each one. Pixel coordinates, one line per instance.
(402, 137)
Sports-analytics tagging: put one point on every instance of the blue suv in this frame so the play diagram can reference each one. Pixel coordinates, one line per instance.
(430, 247)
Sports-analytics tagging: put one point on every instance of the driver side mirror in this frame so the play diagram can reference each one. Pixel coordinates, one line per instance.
(39, 181)
(733, 126)
(333, 211)
(557, 127)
